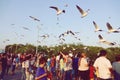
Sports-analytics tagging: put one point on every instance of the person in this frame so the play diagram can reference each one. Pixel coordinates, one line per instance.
(27, 66)
(13, 66)
(0, 64)
(57, 66)
(83, 67)
(4, 65)
(92, 70)
(9, 62)
(103, 66)
(41, 74)
(68, 65)
(48, 64)
(75, 66)
(23, 77)
(62, 65)
(53, 66)
(116, 68)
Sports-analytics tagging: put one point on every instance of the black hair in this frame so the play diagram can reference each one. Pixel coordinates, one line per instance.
(103, 52)
(117, 57)
(42, 60)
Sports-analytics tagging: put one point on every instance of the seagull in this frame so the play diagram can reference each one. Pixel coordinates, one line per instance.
(96, 27)
(62, 39)
(63, 34)
(6, 40)
(119, 28)
(45, 36)
(106, 42)
(58, 10)
(110, 29)
(77, 38)
(12, 24)
(69, 31)
(26, 28)
(101, 38)
(22, 35)
(39, 41)
(34, 18)
(83, 13)
(110, 43)
(66, 5)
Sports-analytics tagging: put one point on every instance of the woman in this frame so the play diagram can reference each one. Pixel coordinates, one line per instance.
(83, 67)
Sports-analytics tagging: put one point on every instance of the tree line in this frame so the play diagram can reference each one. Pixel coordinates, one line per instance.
(91, 51)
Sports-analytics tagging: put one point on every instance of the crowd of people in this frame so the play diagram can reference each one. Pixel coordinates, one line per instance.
(63, 66)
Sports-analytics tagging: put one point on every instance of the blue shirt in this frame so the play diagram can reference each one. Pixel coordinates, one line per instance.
(41, 71)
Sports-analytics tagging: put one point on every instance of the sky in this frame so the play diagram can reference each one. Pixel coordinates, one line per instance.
(14, 18)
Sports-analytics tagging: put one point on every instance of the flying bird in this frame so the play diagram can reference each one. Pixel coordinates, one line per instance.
(58, 10)
(105, 42)
(63, 34)
(62, 39)
(66, 5)
(6, 40)
(77, 38)
(110, 29)
(119, 28)
(45, 36)
(96, 27)
(71, 32)
(83, 13)
(101, 38)
(67, 33)
(26, 28)
(22, 35)
(34, 18)
(12, 24)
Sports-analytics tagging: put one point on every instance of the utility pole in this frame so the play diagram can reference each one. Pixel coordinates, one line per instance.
(38, 28)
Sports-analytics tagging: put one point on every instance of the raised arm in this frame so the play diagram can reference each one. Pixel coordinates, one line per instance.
(63, 55)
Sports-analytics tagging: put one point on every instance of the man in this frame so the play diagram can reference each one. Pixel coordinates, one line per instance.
(103, 66)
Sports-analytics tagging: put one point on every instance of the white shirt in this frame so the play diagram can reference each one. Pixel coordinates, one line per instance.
(83, 64)
(23, 64)
(27, 64)
(103, 65)
(68, 64)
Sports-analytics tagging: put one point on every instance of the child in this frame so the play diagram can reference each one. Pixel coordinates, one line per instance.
(92, 70)
(40, 73)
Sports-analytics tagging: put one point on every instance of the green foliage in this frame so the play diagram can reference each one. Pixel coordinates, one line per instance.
(91, 51)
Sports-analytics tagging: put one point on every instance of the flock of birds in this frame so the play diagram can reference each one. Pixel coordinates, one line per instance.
(84, 14)
(110, 30)
(70, 32)
(59, 11)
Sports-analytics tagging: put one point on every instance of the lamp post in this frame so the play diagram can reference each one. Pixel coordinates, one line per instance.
(38, 28)
(36, 19)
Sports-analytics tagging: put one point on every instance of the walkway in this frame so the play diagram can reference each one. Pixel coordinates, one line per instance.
(16, 76)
